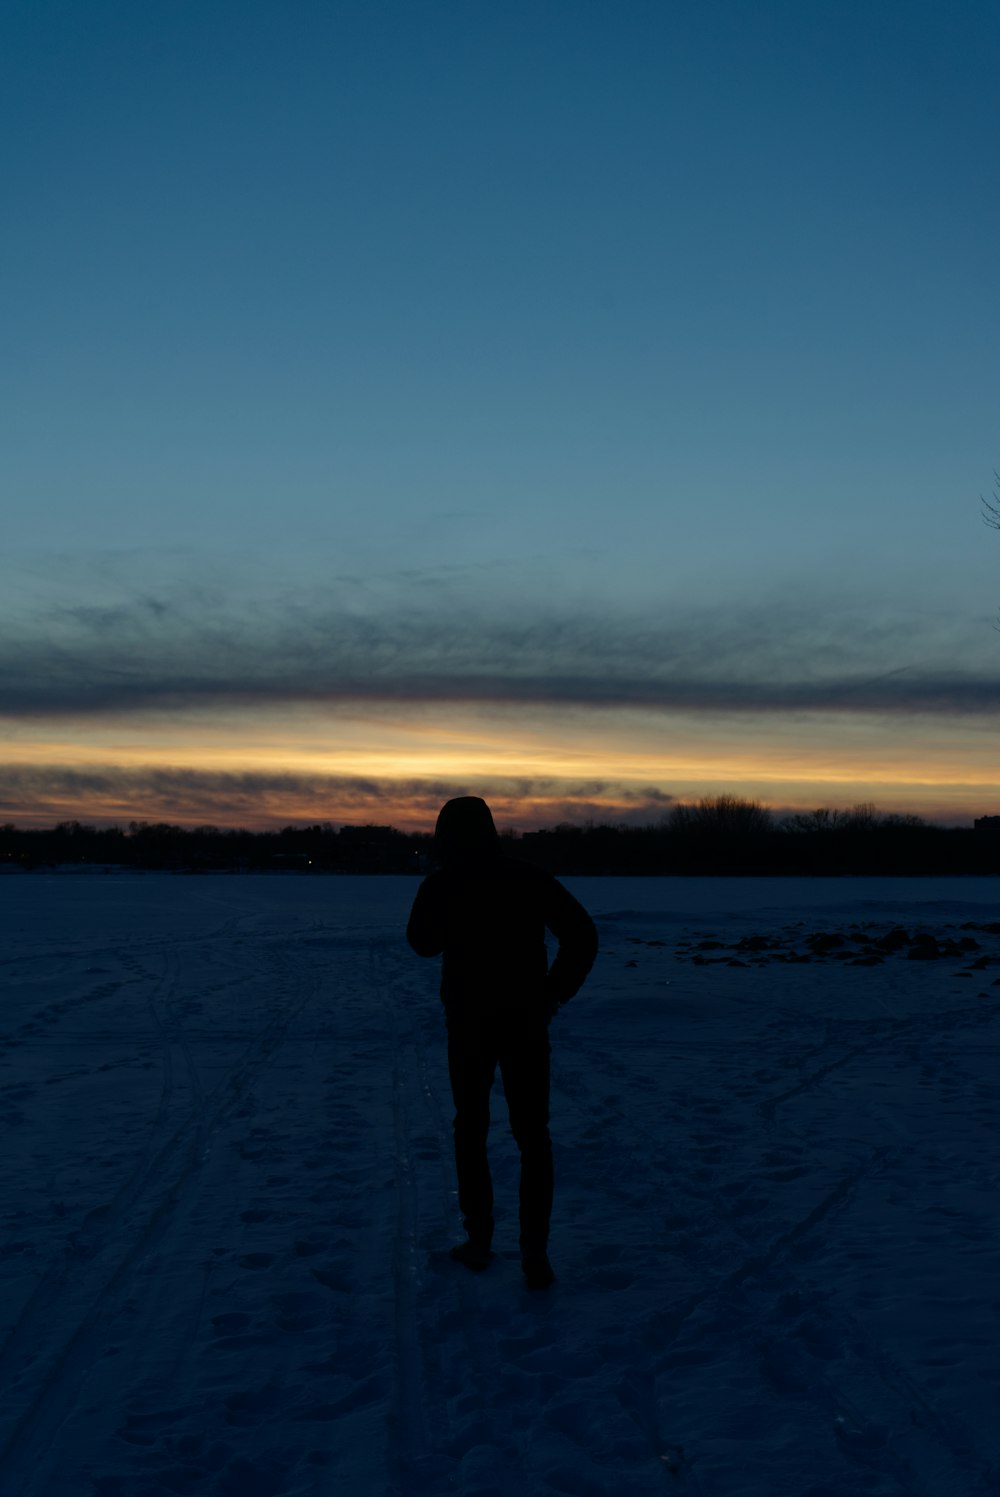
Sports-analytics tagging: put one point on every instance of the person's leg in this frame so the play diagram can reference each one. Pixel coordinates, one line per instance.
(524, 1066)
(471, 1066)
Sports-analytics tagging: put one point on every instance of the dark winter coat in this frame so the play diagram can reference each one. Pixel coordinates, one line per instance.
(488, 915)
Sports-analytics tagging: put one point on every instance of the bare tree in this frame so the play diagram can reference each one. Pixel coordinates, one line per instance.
(991, 507)
(721, 815)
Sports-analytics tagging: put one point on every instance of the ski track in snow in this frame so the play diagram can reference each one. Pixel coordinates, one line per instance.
(228, 1195)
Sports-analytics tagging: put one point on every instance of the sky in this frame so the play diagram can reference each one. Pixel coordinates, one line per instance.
(585, 405)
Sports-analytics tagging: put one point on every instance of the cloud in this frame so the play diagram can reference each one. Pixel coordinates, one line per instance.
(435, 641)
(43, 794)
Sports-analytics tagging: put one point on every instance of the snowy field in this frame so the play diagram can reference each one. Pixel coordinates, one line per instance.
(227, 1197)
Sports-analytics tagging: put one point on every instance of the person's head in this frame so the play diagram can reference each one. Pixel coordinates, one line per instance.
(465, 829)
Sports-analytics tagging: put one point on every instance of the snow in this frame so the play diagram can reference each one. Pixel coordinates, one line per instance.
(226, 1199)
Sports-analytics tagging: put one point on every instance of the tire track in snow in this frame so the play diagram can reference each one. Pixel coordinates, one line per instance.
(941, 1449)
(40, 1019)
(872, 1395)
(943, 1441)
(408, 1410)
(140, 945)
(89, 1289)
(787, 1329)
(38, 1022)
(43, 1303)
(918, 1029)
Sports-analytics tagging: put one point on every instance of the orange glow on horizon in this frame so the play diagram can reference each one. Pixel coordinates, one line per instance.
(535, 768)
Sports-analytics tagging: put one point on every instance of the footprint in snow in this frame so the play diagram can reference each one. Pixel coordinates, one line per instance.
(256, 1260)
(332, 1278)
(609, 1277)
(604, 1254)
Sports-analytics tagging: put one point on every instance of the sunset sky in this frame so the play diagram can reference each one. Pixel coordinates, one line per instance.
(583, 404)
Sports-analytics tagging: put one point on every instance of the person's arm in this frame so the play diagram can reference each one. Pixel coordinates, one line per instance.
(425, 928)
(576, 933)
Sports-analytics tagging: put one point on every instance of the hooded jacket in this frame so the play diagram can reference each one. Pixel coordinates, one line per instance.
(487, 914)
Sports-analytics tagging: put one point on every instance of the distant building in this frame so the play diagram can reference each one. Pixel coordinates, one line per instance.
(368, 834)
(375, 849)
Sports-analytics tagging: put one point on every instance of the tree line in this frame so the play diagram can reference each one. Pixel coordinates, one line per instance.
(716, 835)
(730, 835)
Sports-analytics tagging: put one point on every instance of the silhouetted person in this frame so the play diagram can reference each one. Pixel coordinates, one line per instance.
(488, 913)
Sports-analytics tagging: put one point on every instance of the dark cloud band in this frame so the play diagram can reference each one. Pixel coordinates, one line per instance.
(191, 651)
(52, 792)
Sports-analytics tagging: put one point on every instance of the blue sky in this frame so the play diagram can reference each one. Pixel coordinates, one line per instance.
(381, 379)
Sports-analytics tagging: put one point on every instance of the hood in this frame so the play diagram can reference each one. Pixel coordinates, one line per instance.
(465, 829)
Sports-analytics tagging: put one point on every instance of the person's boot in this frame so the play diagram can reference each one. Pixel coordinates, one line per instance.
(537, 1269)
(475, 1253)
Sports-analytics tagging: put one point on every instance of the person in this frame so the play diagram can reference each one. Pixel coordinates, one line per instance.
(486, 914)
